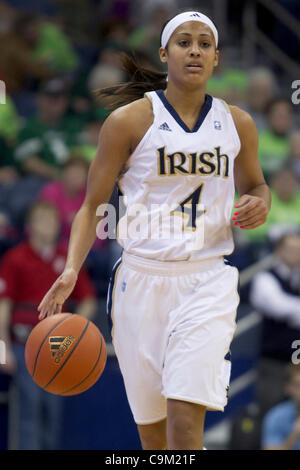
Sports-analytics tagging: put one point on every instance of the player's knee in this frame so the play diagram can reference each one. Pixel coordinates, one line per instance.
(181, 425)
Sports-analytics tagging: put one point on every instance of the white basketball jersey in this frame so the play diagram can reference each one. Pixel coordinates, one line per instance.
(179, 185)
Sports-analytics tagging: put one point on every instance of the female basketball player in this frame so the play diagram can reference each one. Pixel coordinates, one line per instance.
(174, 302)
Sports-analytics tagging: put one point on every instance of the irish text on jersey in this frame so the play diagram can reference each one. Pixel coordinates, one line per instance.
(195, 163)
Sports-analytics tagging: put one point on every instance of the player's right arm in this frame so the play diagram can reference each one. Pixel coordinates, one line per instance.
(114, 148)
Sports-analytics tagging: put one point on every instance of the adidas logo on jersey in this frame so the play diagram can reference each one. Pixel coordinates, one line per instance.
(165, 127)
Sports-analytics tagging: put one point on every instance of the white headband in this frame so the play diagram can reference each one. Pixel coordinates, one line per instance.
(183, 18)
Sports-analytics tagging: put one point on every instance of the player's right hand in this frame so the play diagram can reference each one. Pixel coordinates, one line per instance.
(61, 289)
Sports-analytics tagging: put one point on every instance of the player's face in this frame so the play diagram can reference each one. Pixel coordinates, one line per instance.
(191, 54)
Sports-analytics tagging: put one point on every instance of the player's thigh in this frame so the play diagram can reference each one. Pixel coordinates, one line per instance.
(153, 436)
(139, 338)
(197, 367)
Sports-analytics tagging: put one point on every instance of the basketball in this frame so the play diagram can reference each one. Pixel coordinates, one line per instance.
(65, 354)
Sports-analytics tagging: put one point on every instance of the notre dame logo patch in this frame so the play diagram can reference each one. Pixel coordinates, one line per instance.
(59, 345)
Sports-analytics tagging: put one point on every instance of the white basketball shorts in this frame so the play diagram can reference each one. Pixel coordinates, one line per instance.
(172, 325)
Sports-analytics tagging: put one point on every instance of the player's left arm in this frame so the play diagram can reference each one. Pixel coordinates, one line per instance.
(254, 204)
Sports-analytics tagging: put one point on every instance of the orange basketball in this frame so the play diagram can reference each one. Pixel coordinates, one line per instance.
(65, 354)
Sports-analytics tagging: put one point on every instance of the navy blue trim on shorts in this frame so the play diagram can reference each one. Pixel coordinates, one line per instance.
(202, 115)
(228, 356)
(110, 291)
(229, 263)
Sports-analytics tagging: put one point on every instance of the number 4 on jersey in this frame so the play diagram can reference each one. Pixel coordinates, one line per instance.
(188, 208)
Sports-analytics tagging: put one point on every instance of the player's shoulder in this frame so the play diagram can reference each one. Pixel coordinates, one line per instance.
(131, 114)
(241, 117)
(129, 122)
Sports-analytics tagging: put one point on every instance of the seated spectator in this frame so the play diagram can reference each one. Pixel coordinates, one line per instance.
(88, 138)
(262, 89)
(273, 142)
(146, 37)
(285, 208)
(274, 293)
(9, 177)
(110, 55)
(103, 75)
(8, 167)
(8, 234)
(81, 103)
(26, 273)
(9, 121)
(281, 425)
(294, 155)
(54, 48)
(45, 140)
(18, 65)
(67, 194)
(227, 83)
(113, 31)
(7, 17)
(79, 19)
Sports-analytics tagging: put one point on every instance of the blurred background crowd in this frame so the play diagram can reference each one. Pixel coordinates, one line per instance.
(54, 54)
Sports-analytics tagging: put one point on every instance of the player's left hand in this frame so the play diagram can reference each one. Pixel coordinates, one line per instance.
(250, 212)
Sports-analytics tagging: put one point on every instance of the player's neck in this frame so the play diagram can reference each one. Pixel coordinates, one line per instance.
(186, 102)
